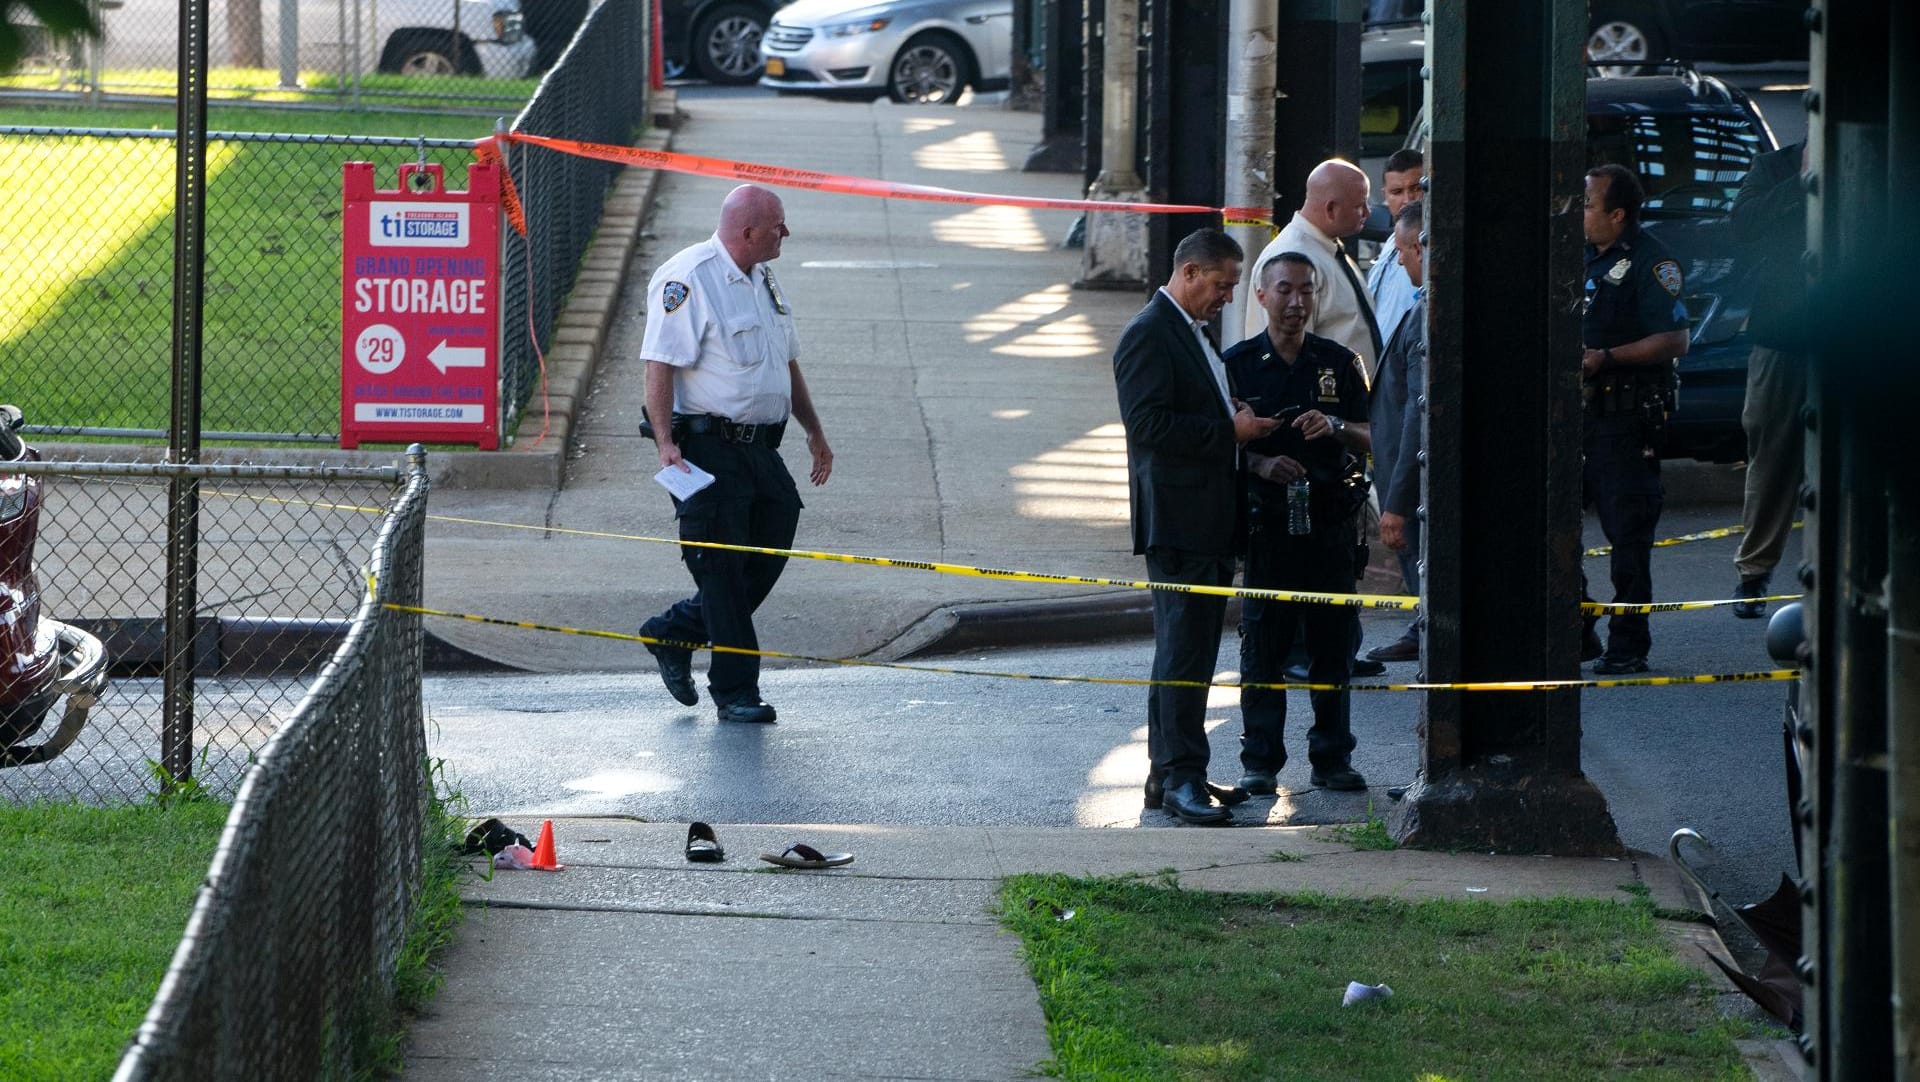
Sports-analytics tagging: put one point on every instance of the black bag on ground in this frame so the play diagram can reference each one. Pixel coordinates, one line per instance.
(491, 835)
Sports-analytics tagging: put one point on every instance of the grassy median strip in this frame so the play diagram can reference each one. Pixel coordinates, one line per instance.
(92, 904)
(1146, 980)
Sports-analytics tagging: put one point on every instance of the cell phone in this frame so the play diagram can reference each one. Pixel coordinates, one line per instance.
(1287, 413)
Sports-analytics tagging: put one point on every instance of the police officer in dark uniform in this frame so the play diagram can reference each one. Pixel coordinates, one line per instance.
(1318, 388)
(1635, 329)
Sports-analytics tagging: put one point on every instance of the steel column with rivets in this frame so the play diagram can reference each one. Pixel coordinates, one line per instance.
(1502, 487)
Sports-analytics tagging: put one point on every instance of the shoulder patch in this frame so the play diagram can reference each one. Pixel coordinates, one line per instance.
(1667, 272)
(673, 295)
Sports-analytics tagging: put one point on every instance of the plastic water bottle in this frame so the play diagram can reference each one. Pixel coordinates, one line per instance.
(1299, 519)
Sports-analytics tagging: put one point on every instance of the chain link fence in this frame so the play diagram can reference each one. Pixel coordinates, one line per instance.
(86, 304)
(306, 907)
(280, 578)
(480, 55)
(86, 288)
(597, 94)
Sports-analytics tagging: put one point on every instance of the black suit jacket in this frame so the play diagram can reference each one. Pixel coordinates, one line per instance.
(1182, 460)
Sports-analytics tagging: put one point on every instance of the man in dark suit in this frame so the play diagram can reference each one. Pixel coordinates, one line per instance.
(1394, 408)
(1184, 431)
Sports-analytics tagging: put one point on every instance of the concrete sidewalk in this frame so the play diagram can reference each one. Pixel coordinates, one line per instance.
(634, 964)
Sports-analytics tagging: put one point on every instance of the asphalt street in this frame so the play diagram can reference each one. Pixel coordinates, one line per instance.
(870, 745)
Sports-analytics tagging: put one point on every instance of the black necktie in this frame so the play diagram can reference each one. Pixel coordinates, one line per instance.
(1359, 295)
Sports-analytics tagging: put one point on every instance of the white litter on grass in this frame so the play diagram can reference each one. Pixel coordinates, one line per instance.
(1476, 890)
(1357, 993)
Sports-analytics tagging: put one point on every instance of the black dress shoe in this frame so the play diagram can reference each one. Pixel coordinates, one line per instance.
(1363, 666)
(1620, 666)
(1344, 778)
(676, 670)
(1152, 801)
(1295, 674)
(1259, 783)
(749, 710)
(1404, 648)
(1190, 803)
(1749, 588)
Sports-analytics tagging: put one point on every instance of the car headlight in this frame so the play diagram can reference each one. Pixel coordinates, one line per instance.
(509, 26)
(865, 26)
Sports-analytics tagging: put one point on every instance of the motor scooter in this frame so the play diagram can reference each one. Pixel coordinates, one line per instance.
(41, 659)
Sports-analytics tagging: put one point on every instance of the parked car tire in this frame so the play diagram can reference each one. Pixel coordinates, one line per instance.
(726, 44)
(1624, 34)
(429, 52)
(930, 69)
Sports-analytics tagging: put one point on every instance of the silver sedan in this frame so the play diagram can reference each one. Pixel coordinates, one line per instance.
(916, 51)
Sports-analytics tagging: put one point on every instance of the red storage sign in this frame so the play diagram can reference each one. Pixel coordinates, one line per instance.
(420, 308)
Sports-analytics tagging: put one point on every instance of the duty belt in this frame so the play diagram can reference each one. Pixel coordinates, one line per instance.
(703, 424)
(1613, 392)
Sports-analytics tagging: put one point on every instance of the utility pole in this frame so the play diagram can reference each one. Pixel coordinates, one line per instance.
(1116, 253)
(1249, 175)
(1502, 771)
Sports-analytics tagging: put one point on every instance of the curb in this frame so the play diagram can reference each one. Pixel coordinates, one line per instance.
(952, 629)
(574, 355)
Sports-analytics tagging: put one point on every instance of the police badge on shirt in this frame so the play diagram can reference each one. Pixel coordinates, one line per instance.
(1329, 385)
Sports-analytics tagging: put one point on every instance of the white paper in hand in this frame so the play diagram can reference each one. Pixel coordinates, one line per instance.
(683, 483)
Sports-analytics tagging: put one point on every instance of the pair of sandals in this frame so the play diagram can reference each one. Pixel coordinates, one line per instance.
(703, 847)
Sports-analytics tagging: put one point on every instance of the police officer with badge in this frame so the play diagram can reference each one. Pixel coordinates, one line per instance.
(1635, 330)
(1305, 486)
(722, 381)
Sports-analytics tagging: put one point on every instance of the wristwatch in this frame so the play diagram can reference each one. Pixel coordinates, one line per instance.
(1339, 424)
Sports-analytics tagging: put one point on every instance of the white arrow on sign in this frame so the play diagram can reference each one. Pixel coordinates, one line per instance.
(445, 356)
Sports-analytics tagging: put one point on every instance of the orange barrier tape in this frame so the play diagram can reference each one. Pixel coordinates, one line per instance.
(754, 172)
(488, 150)
(1247, 216)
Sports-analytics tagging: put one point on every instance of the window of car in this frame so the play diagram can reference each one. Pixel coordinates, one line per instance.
(1390, 96)
(1689, 163)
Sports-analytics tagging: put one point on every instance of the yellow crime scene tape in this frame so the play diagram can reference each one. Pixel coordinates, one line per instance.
(944, 670)
(1399, 602)
(1685, 539)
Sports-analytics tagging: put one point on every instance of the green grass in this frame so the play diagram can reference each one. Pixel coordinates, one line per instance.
(437, 914)
(1155, 982)
(1372, 833)
(227, 84)
(92, 904)
(85, 293)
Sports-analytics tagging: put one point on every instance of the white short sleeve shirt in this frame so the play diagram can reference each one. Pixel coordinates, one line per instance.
(728, 333)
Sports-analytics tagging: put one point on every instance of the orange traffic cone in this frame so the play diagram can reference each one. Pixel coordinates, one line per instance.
(544, 857)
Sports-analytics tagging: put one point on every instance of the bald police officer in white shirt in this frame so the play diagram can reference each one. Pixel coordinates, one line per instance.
(722, 363)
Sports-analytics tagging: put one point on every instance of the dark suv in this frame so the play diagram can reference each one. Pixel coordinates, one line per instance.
(1691, 139)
